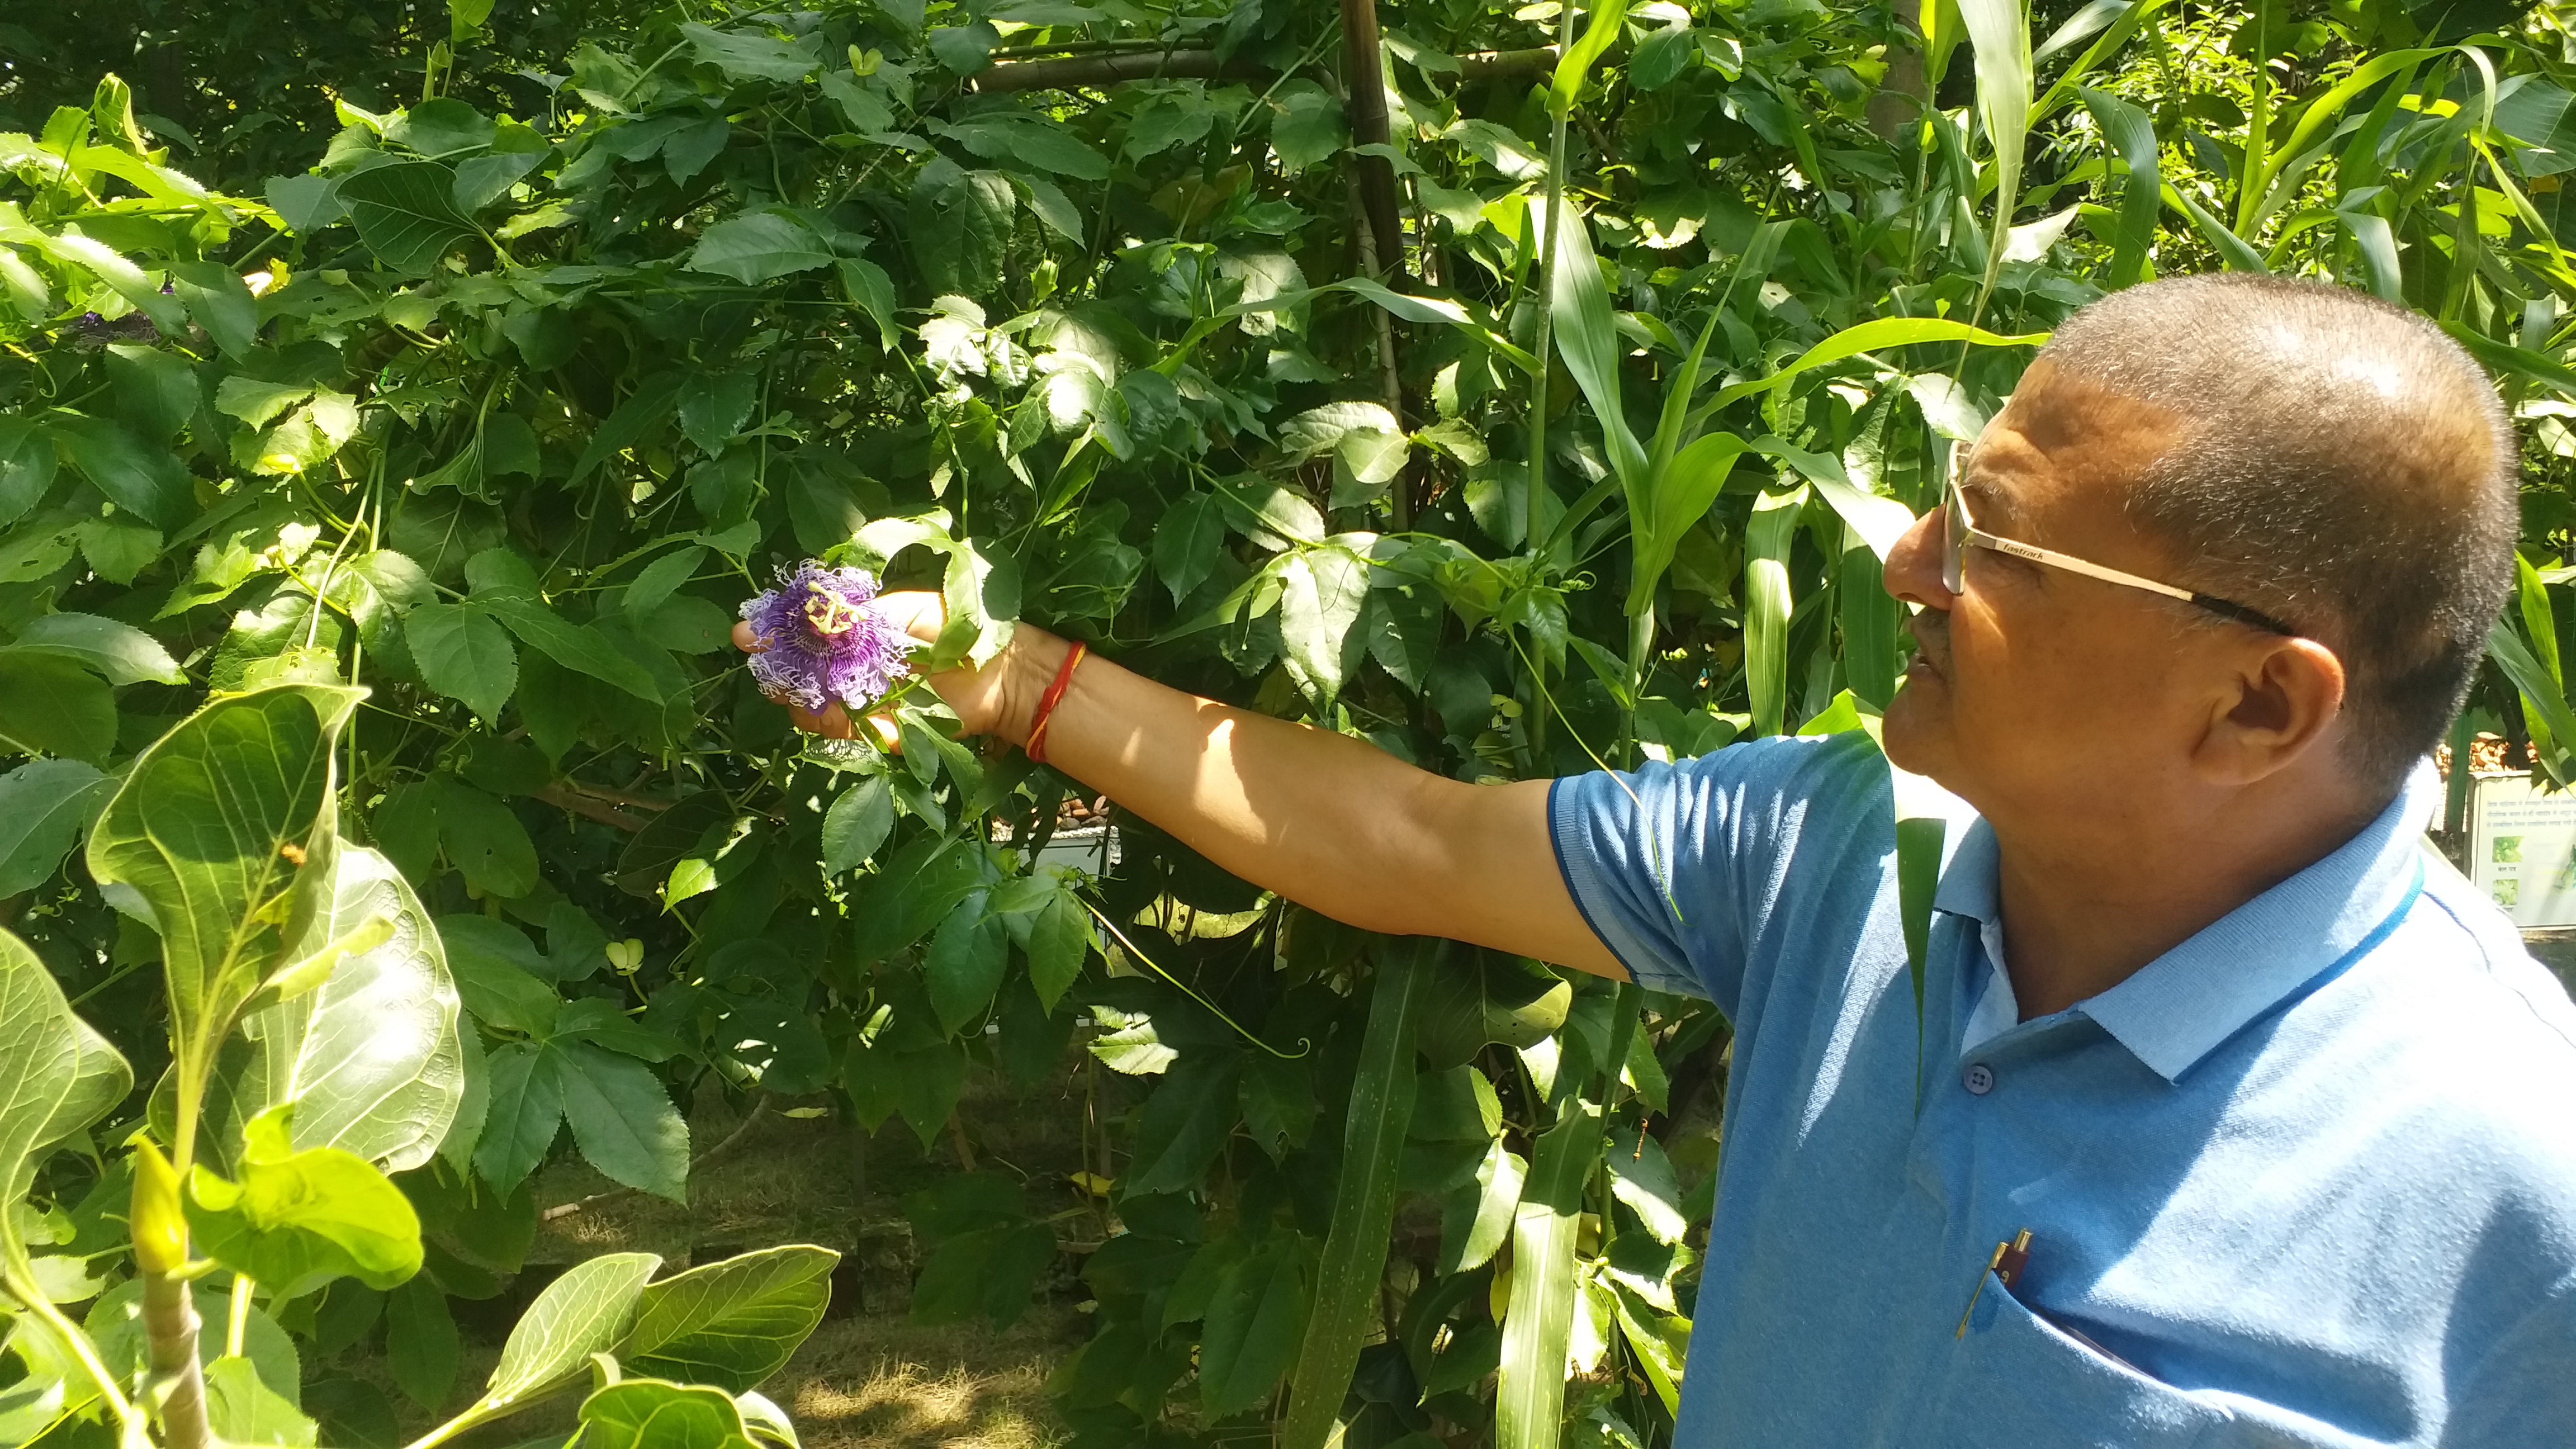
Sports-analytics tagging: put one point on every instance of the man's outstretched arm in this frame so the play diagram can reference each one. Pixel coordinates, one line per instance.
(1330, 822)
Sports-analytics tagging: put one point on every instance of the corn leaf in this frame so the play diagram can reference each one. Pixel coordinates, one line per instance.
(1364, 1206)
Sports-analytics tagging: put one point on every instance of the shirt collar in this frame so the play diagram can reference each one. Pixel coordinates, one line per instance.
(2174, 1010)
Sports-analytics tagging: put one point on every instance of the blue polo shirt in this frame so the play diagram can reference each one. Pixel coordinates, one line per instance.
(2309, 1178)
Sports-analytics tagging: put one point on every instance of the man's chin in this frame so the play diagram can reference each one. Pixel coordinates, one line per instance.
(1917, 731)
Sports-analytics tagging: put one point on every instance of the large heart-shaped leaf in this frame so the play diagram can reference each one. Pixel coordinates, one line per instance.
(220, 840)
(406, 213)
(732, 1323)
(370, 1058)
(56, 1077)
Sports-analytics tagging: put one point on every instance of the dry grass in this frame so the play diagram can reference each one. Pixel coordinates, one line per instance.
(875, 1383)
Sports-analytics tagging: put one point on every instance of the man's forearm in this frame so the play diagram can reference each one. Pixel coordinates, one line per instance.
(1330, 822)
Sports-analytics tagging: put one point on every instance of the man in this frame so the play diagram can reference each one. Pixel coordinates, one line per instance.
(2285, 1114)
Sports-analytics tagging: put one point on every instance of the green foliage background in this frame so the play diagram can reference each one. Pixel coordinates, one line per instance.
(489, 357)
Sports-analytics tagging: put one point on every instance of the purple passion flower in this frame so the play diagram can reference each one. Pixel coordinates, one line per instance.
(822, 639)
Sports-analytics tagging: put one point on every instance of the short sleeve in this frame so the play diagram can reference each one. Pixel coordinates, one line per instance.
(1678, 867)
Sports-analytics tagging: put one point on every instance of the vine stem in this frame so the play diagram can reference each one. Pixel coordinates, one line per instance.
(1305, 1044)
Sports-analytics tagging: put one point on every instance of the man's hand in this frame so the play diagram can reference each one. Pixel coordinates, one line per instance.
(1327, 821)
(993, 700)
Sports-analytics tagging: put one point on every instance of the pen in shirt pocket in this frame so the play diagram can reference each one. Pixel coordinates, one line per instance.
(2008, 1262)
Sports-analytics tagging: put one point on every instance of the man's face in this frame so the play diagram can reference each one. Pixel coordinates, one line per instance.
(2032, 687)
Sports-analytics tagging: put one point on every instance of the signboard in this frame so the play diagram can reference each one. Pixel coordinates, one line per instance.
(2522, 850)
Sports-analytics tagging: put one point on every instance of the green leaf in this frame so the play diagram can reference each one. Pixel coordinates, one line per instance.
(44, 807)
(1184, 1125)
(485, 840)
(57, 1076)
(2129, 133)
(872, 291)
(653, 1414)
(1642, 1177)
(1321, 593)
(1060, 940)
(370, 1058)
(1306, 125)
(27, 465)
(1478, 1216)
(1567, 83)
(1253, 1324)
(1529, 1400)
(577, 647)
(758, 246)
(1029, 141)
(118, 652)
(1381, 1112)
(146, 481)
(247, 1414)
(122, 277)
(749, 55)
(221, 303)
(731, 1323)
(464, 655)
(624, 1122)
(965, 963)
(658, 580)
(714, 408)
(857, 824)
(200, 844)
(586, 1311)
(297, 1220)
(499, 973)
(989, 1273)
(524, 1114)
(1999, 30)
(1187, 542)
(421, 1343)
(1767, 605)
(406, 214)
(1589, 342)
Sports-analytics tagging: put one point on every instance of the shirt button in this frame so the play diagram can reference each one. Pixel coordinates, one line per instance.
(1979, 1078)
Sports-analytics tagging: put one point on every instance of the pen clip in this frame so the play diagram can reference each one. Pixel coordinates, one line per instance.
(2007, 1263)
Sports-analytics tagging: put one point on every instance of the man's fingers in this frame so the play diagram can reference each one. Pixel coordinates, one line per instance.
(744, 639)
(831, 722)
(889, 735)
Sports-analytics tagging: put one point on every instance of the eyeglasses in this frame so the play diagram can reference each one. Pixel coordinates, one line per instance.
(1959, 534)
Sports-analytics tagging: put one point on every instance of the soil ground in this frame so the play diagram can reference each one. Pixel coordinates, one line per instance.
(868, 1378)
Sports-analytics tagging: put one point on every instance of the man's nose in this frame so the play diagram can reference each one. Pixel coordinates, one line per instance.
(1913, 571)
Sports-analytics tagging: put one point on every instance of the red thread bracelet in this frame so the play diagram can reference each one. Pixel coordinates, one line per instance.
(1036, 747)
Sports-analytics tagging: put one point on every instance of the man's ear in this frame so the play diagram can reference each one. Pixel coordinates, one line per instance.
(2284, 696)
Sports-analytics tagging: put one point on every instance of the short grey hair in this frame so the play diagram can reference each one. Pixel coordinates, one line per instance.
(2343, 465)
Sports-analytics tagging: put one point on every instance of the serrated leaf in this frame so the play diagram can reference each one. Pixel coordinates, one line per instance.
(1060, 939)
(965, 962)
(624, 1122)
(117, 651)
(758, 246)
(463, 654)
(857, 824)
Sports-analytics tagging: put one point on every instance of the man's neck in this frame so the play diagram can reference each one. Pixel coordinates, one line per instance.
(2088, 904)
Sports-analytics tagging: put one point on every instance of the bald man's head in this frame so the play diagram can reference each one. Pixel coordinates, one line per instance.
(2339, 464)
